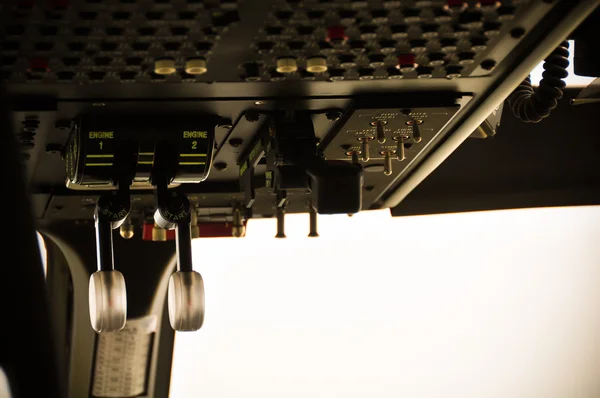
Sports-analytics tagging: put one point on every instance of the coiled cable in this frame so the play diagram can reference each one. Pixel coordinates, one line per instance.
(531, 105)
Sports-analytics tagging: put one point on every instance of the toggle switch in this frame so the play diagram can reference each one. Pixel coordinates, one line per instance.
(194, 224)
(380, 132)
(416, 131)
(316, 64)
(354, 154)
(365, 148)
(239, 230)
(195, 66)
(159, 234)
(164, 66)
(400, 149)
(287, 65)
(280, 222)
(312, 214)
(387, 162)
(126, 229)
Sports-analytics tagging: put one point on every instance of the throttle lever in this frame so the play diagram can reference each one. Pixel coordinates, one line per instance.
(186, 287)
(107, 289)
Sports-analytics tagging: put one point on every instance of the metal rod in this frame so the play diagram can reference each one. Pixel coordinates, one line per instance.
(380, 133)
(104, 245)
(387, 163)
(365, 149)
(400, 151)
(416, 132)
(312, 213)
(183, 242)
(280, 223)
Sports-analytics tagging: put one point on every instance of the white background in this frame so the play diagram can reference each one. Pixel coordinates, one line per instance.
(490, 304)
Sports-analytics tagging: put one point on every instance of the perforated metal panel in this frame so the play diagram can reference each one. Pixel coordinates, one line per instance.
(121, 41)
(381, 39)
(99, 41)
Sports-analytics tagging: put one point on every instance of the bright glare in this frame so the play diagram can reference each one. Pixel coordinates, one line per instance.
(479, 305)
(572, 80)
(43, 253)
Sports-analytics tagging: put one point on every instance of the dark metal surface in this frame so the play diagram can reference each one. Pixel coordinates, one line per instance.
(551, 163)
(112, 42)
(570, 181)
(398, 114)
(515, 68)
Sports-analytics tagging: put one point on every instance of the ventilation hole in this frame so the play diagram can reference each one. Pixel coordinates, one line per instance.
(82, 31)
(284, 14)
(274, 30)
(71, 61)
(65, 75)
(108, 46)
(203, 46)
(102, 61)
(76, 46)
(25, 5)
(88, 15)
(114, 31)
(15, 30)
(296, 45)
(54, 15)
(147, 31)
(44, 46)
(140, 46)
(172, 46)
(179, 31)
(7, 61)
(38, 70)
(209, 32)
(305, 30)
(48, 30)
(134, 61)
(97, 75)
(315, 14)
(121, 15)
(10, 46)
(154, 15)
(187, 15)
(128, 75)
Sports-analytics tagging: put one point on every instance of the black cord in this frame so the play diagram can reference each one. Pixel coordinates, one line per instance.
(531, 105)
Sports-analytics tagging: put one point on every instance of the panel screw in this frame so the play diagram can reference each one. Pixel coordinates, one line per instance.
(220, 166)
(252, 116)
(236, 142)
(333, 116)
(517, 32)
(488, 64)
(63, 124)
(53, 148)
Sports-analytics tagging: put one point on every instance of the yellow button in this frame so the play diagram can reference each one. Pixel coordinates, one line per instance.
(195, 66)
(164, 66)
(287, 65)
(316, 65)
